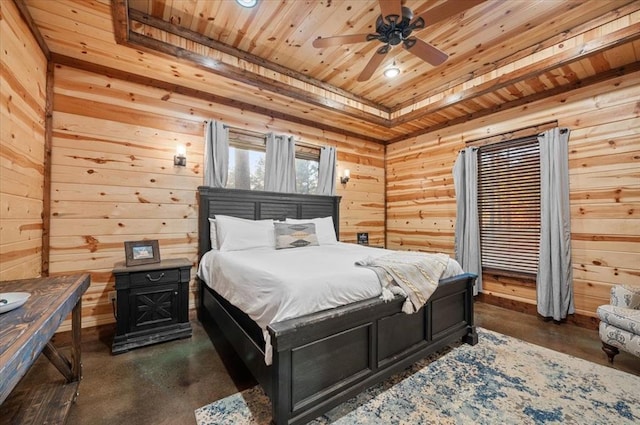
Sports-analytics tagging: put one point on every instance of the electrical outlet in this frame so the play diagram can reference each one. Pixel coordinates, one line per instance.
(113, 296)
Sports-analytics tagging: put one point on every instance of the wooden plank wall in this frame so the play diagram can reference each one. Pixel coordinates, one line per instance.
(113, 178)
(604, 167)
(22, 127)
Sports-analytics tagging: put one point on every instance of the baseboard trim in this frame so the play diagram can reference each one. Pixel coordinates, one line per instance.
(580, 320)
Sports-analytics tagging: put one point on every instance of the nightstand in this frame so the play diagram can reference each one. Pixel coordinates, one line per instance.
(152, 303)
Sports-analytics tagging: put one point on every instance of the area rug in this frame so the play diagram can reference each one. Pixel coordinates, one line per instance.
(501, 380)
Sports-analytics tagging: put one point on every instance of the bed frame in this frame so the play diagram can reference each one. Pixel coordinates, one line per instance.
(322, 359)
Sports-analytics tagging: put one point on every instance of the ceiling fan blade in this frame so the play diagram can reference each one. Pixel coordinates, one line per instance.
(339, 40)
(373, 64)
(426, 51)
(445, 10)
(391, 7)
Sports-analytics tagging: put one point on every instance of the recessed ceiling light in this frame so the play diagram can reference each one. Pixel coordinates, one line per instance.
(247, 3)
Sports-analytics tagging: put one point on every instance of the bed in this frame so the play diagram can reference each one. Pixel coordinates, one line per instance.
(372, 339)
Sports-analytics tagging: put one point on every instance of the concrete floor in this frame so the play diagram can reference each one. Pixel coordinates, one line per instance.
(165, 383)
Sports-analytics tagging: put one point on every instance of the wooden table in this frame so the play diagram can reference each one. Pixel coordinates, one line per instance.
(25, 333)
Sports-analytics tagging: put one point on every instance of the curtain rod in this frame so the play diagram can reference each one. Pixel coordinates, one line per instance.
(533, 129)
(264, 135)
(562, 131)
(237, 128)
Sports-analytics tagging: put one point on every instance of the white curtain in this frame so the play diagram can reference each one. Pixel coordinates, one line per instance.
(555, 275)
(327, 171)
(216, 154)
(280, 164)
(467, 233)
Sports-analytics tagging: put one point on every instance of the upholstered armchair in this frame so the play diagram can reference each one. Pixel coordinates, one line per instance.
(620, 321)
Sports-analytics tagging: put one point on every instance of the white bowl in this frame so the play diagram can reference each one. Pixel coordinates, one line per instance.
(15, 300)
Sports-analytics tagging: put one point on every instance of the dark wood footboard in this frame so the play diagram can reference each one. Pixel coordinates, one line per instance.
(323, 359)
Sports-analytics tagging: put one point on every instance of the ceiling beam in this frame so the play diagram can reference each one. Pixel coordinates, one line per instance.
(623, 36)
(604, 76)
(26, 16)
(120, 13)
(596, 20)
(199, 94)
(143, 18)
(139, 41)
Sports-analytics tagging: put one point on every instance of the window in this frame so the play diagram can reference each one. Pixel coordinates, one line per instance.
(306, 176)
(509, 206)
(307, 162)
(247, 152)
(246, 169)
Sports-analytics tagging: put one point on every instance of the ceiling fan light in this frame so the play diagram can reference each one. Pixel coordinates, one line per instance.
(247, 3)
(392, 72)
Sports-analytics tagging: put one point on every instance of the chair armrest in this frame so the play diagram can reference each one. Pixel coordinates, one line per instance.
(626, 296)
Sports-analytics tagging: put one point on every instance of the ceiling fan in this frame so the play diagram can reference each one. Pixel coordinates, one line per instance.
(396, 25)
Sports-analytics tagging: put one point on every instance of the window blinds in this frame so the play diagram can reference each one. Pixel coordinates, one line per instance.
(509, 204)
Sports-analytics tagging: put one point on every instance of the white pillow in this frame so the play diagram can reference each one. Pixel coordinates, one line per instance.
(213, 234)
(324, 229)
(236, 234)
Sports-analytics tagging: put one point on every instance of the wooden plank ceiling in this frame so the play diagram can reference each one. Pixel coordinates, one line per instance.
(502, 54)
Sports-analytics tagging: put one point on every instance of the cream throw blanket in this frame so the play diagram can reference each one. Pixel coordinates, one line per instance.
(414, 275)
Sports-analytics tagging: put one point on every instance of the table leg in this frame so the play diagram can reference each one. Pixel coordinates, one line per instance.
(76, 329)
(71, 370)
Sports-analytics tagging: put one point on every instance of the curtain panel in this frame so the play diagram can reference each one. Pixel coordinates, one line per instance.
(327, 171)
(467, 232)
(280, 164)
(554, 283)
(216, 154)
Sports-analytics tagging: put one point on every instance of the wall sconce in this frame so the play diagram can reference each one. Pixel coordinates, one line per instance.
(345, 176)
(180, 158)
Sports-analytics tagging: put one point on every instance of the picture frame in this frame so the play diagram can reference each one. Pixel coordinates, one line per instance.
(141, 252)
(363, 238)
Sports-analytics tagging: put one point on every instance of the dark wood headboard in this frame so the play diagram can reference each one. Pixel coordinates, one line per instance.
(259, 205)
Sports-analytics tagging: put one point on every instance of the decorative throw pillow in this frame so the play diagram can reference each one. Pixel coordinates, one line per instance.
(295, 235)
(324, 228)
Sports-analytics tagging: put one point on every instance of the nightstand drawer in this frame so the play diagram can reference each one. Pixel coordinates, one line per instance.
(155, 276)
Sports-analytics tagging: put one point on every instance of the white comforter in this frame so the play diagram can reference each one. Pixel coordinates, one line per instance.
(273, 285)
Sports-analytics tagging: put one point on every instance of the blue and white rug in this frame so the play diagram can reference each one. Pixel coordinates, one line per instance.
(501, 380)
